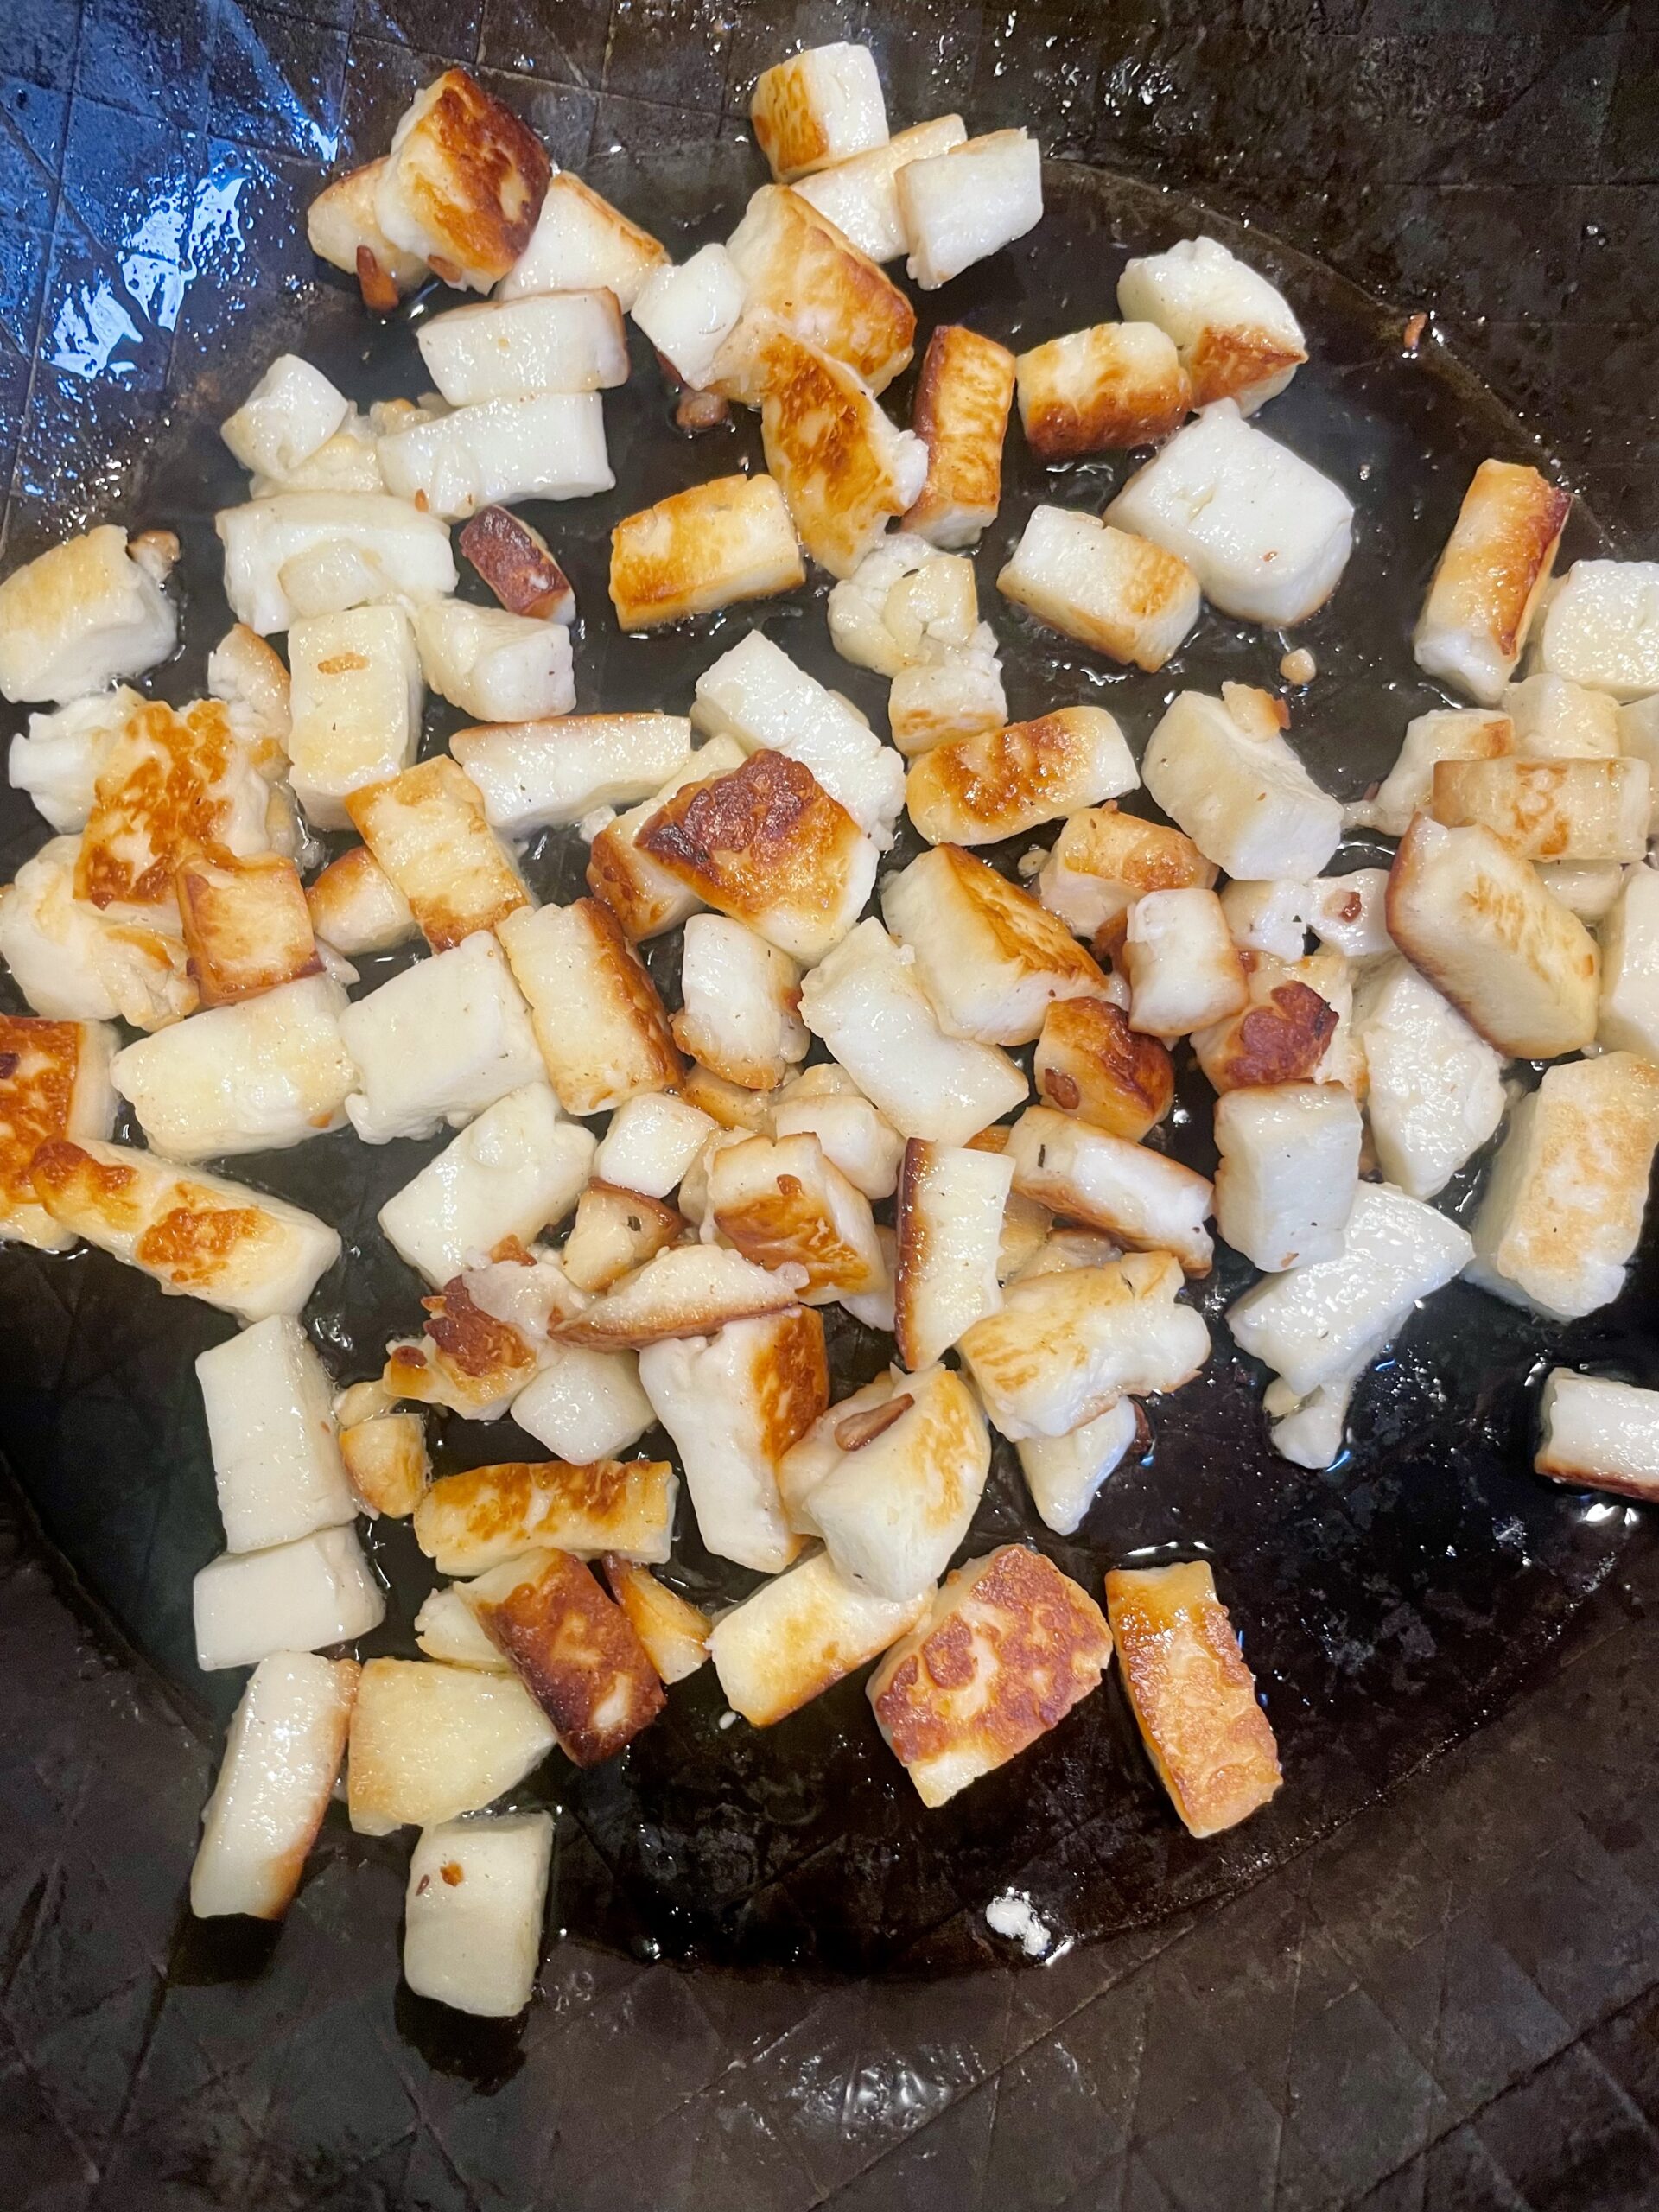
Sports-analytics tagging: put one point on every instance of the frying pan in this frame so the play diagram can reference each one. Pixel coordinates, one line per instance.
(1387, 1607)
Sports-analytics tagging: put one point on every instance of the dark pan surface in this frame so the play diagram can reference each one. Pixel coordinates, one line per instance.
(1387, 1606)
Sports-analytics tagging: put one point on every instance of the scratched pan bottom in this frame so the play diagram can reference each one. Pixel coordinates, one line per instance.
(1387, 1607)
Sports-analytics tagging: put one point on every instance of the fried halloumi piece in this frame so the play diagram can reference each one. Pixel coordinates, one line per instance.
(548, 773)
(1183, 969)
(1601, 627)
(302, 1596)
(1289, 1167)
(502, 667)
(944, 700)
(650, 1143)
(1520, 969)
(1488, 579)
(707, 547)
(1434, 1088)
(281, 1758)
(548, 446)
(768, 845)
(785, 1206)
(584, 1405)
(685, 1290)
(868, 1004)
(428, 1743)
(466, 1360)
(907, 605)
(278, 1473)
(646, 898)
(1294, 1027)
(387, 1460)
(445, 1631)
(199, 1236)
(1090, 1063)
(463, 184)
(1067, 1346)
(675, 1632)
(1140, 1197)
(439, 1042)
(616, 1230)
(177, 785)
(1246, 801)
(469, 1523)
(860, 194)
(1237, 336)
(950, 1214)
(1628, 1019)
(1192, 1696)
(689, 309)
(827, 1103)
(473, 1909)
(344, 229)
(1562, 1211)
(299, 553)
(1098, 390)
(990, 958)
(961, 415)
(1005, 782)
(1103, 861)
(817, 108)
(580, 243)
(514, 560)
(1118, 593)
(509, 349)
(357, 697)
(734, 1400)
(739, 1000)
(73, 963)
(963, 205)
(1599, 1435)
(251, 678)
(79, 617)
(727, 1104)
(1549, 809)
(290, 413)
(1007, 1647)
(428, 829)
(1064, 1473)
(601, 1026)
(54, 1082)
(246, 925)
(1444, 733)
(518, 1168)
(800, 268)
(800, 1634)
(356, 907)
(1555, 719)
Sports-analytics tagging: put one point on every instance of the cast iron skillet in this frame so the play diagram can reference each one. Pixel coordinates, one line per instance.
(1386, 1605)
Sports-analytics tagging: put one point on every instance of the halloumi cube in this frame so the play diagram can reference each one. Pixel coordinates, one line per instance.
(740, 995)
(1638, 738)
(176, 785)
(860, 193)
(1064, 1473)
(907, 605)
(1103, 861)
(246, 925)
(439, 1042)
(674, 1632)
(463, 183)
(1289, 1167)
(652, 1141)
(427, 828)
(1265, 533)
(1067, 1346)
(357, 697)
(1237, 336)
(686, 1290)
(356, 907)
(769, 846)
(344, 229)
(1290, 1029)
(548, 446)
(468, 1523)
(542, 774)
(74, 961)
(447, 1630)
(729, 1104)
(1247, 803)
(1549, 809)
(79, 617)
(1599, 1434)
(277, 1468)
(1445, 734)
(510, 349)
(817, 108)
(281, 1758)
(502, 667)
(646, 898)
(798, 267)
(1628, 1021)
(1141, 1197)
(381, 549)
(1557, 720)
(519, 1167)
(251, 678)
(707, 547)
(54, 1082)
(468, 1360)
(1601, 626)
(782, 1204)
(798, 1634)
(616, 1232)
(1098, 390)
(734, 1400)
(1006, 782)
(1562, 1210)
(825, 1102)
(1587, 889)
(689, 309)
(256, 1077)
(952, 1203)
(1311, 1324)
(1183, 967)
(584, 1405)
(1520, 969)
(514, 560)
(345, 462)
(428, 1743)
(1434, 1091)
(962, 206)
(1091, 1063)
(303, 1596)
(601, 1026)
(473, 1914)
(1191, 1694)
(1490, 578)
(1104, 586)
(291, 411)
(580, 243)
(1007, 1647)
(387, 1460)
(961, 415)
(60, 759)
(868, 1004)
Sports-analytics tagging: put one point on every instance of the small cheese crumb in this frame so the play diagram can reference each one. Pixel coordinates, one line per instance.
(727, 1720)
(1015, 1916)
(590, 824)
(1030, 864)
(1298, 666)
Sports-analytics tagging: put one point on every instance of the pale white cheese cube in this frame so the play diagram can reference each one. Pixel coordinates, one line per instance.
(291, 411)
(1265, 533)
(544, 775)
(1130, 1193)
(689, 309)
(1600, 1434)
(1064, 1473)
(1601, 627)
(80, 616)
(1183, 967)
(377, 548)
(952, 1202)
(1556, 719)
(962, 206)
(501, 667)
(860, 194)
(580, 243)
(1310, 1431)
(1587, 889)
(1247, 801)
(1289, 1167)
(440, 1042)
(739, 996)
(510, 1173)
(549, 445)
(59, 761)
(1629, 1017)
(818, 107)
(512, 349)
(271, 1428)
(653, 1140)
(1638, 738)
(798, 1634)
(1435, 1089)
(825, 1102)
(304, 1596)
(281, 1758)
(1102, 585)
(473, 1910)
(585, 1405)
(1237, 337)
(447, 1629)
(345, 462)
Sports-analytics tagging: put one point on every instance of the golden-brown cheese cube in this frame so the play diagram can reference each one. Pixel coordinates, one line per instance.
(387, 1462)
(1108, 587)
(783, 1204)
(952, 1202)
(616, 1231)
(1103, 861)
(356, 907)
(821, 106)
(801, 268)
(642, 895)
(1098, 390)
(674, 1632)
(469, 1523)
(246, 925)
(1192, 1696)
(1007, 781)
(597, 1020)
(701, 549)
(463, 184)
(689, 1290)
(731, 1105)
(514, 560)
(177, 785)
(1490, 578)
(768, 845)
(1549, 809)
(573, 1647)
(345, 230)
(1089, 1062)
(428, 1743)
(1142, 1199)
(800, 1634)
(54, 1082)
(962, 416)
(465, 1359)
(427, 829)
(1283, 1033)
(1008, 1646)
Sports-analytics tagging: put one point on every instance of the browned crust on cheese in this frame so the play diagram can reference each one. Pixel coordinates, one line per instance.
(157, 795)
(786, 125)
(1283, 1041)
(514, 560)
(72, 1186)
(1123, 405)
(386, 1460)
(576, 1653)
(1504, 561)
(779, 1221)
(1022, 930)
(829, 293)
(481, 185)
(462, 885)
(1001, 781)
(1089, 1062)
(792, 1376)
(1221, 363)
(695, 551)
(961, 415)
(246, 925)
(913, 1242)
(39, 1062)
(768, 834)
(815, 427)
(192, 1240)
(655, 1062)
